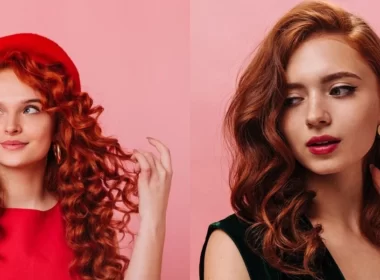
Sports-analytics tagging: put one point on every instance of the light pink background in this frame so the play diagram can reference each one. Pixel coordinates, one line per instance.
(223, 35)
(133, 59)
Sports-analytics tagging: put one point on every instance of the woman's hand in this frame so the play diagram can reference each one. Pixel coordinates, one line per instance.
(154, 182)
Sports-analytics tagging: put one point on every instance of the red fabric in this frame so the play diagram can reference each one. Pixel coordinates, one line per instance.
(42, 50)
(34, 246)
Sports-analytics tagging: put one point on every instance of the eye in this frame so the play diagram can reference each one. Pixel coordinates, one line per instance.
(31, 110)
(342, 90)
(290, 101)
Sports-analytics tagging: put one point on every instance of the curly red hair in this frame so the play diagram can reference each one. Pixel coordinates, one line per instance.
(266, 180)
(92, 178)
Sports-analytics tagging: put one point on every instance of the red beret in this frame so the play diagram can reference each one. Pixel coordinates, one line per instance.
(42, 50)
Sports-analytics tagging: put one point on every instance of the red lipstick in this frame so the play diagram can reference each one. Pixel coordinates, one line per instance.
(322, 145)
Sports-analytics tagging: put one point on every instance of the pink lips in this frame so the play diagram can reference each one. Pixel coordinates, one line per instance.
(322, 145)
(13, 145)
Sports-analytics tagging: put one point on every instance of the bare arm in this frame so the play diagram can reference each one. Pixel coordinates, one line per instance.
(154, 182)
(146, 258)
(223, 260)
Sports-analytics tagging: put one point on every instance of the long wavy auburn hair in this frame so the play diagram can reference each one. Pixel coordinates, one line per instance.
(265, 178)
(92, 179)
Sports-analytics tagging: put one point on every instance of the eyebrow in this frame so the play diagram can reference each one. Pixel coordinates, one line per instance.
(326, 79)
(35, 100)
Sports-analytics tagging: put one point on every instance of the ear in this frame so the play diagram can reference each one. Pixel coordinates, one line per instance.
(378, 102)
(375, 172)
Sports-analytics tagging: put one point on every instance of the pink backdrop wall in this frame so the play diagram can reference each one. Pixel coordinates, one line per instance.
(223, 34)
(133, 59)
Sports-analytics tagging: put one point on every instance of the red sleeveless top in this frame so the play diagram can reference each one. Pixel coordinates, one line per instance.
(33, 245)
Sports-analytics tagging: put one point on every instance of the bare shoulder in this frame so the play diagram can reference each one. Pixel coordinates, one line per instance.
(222, 259)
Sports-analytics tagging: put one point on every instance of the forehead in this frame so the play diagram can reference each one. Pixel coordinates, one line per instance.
(12, 89)
(323, 55)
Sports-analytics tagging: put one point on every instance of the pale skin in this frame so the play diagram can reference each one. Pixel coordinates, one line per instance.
(154, 184)
(22, 172)
(323, 104)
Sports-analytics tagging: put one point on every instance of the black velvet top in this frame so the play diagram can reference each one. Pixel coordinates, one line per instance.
(258, 268)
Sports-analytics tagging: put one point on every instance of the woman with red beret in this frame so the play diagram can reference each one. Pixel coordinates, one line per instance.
(61, 179)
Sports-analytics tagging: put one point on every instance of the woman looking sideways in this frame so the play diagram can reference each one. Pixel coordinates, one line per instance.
(304, 130)
(61, 179)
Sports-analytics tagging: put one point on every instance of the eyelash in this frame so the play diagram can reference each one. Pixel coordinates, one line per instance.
(351, 90)
(34, 107)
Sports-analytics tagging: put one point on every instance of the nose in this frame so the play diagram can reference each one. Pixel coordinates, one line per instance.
(12, 125)
(318, 114)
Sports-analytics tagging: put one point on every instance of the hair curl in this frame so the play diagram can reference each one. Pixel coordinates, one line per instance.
(92, 179)
(265, 179)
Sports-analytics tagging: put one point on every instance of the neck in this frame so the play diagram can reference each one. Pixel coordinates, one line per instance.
(24, 187)
(338, 202)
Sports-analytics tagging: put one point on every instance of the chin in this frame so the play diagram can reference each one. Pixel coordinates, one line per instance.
(17, 162)
(13, 164)
(325, 171)
(324, 168)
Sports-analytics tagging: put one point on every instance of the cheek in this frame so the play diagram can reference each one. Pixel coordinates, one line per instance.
(360, 125)
(291, 127)
(361, 119)
(40, 129)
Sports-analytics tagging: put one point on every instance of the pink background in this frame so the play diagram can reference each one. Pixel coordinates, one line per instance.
(223, 35)
(133, 59)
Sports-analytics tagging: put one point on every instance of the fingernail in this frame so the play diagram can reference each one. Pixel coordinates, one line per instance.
(149, 138)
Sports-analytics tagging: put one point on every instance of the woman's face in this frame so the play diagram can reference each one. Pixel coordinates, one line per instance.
(25, 130)
(331, 91)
